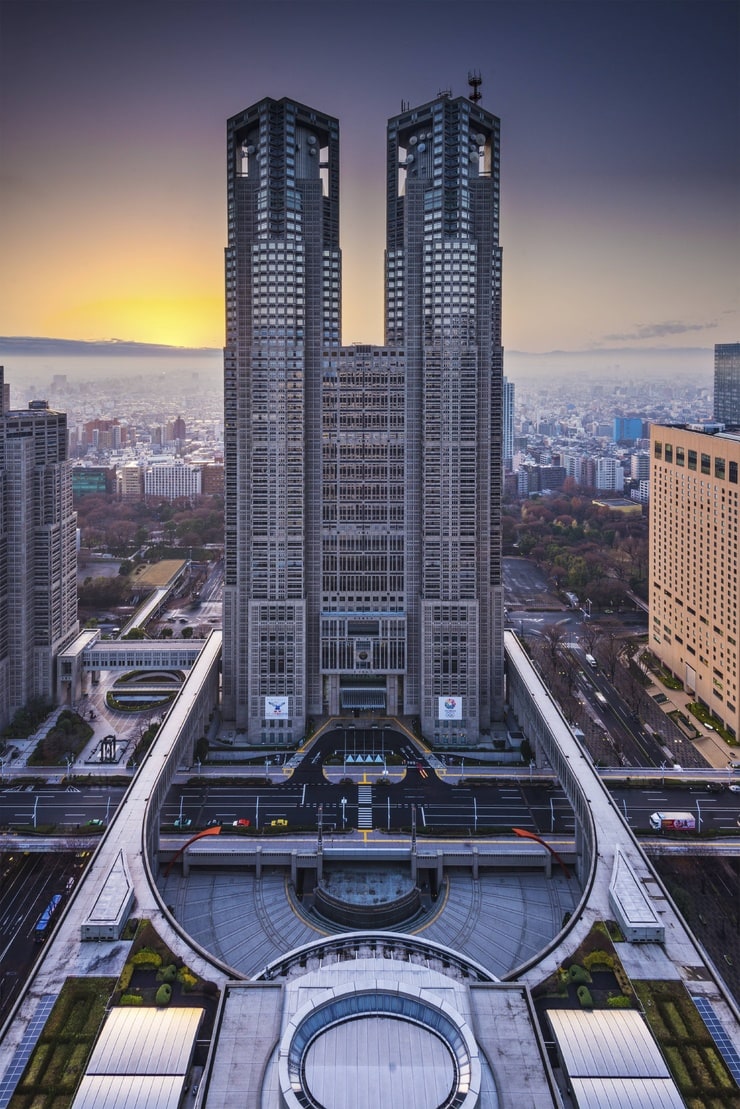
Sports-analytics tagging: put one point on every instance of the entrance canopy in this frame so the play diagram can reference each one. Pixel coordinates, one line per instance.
(363, 698)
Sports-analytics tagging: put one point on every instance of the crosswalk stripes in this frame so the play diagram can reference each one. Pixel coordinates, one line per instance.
(364, 807)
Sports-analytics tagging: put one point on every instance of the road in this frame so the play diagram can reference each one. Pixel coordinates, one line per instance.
(59, 806)
(27, 885)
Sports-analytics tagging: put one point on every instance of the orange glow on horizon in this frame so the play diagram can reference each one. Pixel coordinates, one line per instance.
(187, 321)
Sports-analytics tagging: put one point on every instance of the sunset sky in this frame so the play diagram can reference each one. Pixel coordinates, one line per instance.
(620, 157)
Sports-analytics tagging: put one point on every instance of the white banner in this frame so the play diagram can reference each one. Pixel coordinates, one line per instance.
(449, 708)
(277, 708)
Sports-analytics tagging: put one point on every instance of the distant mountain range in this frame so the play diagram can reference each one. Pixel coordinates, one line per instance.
(118, 356)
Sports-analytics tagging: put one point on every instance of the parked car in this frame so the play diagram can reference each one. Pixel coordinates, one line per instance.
(279, 823)
(242, 822)
(95, 823)
(715, 787)
(183, 822)
(734, 788)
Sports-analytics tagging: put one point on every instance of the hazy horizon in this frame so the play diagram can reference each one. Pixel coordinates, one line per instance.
(25, 357)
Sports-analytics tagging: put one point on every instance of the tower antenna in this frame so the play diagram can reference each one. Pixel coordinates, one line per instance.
(475, 81)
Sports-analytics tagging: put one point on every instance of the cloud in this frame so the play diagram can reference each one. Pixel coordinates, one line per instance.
(657, 330)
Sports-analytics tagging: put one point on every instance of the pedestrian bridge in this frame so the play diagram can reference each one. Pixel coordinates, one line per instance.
(89, 654)
(142, 654)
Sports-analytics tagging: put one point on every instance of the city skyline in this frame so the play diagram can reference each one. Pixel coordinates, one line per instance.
(620, 180)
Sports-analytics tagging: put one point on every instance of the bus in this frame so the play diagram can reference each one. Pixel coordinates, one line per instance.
(44, 922)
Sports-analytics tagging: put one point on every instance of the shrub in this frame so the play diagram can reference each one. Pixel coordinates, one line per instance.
(147, 957)
(618, 1001)
(125, 980)
(132, 999)
(622, 979)
(673, 1019)
(187, 979)
(167, 974)
(578, 975)
(584, 996)
(717, 1067)
(164, 994)
(599, 959)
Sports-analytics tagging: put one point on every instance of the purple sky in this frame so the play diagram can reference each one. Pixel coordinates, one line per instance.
(620, 157)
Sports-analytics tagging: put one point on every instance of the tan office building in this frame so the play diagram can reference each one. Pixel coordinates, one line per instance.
(693, 561)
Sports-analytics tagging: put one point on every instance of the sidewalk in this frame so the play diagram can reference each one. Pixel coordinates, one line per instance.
(709, 745)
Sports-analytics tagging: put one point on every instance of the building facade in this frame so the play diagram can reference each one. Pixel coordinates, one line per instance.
(282, 312)
(727, 383)
(38, 560)
(362, 484)
(508, 424)
(172, 480)
(443, 303)
(694, 584)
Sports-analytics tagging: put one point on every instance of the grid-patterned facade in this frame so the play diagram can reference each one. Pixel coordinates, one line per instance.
(508, 424)
(171, 480)
(727, 383)
(363, 624)
(38, 560)
(362, 484)
(694, 584)
(443, 303)
(282, 312)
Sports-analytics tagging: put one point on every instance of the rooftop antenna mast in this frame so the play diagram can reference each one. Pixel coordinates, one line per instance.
(475, 81)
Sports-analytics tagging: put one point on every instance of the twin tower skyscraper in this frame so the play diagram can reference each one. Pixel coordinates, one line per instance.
(363, 484)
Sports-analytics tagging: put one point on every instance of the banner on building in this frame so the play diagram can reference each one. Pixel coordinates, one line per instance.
(277, 708)
(449, 708)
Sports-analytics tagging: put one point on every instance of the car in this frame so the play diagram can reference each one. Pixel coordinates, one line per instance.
(96, 822)
(183, 822)
(215, 823)
(279, 823)
(734, 765)
(734, 788)
(709, 727)
(242, 822)
(715, 787)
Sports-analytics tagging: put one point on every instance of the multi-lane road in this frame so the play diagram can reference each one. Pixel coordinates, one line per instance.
(27, 884)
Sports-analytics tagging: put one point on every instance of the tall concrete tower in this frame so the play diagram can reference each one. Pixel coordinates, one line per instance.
(443, 305)
(363, 484)
(282, 312)
(38, 559)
